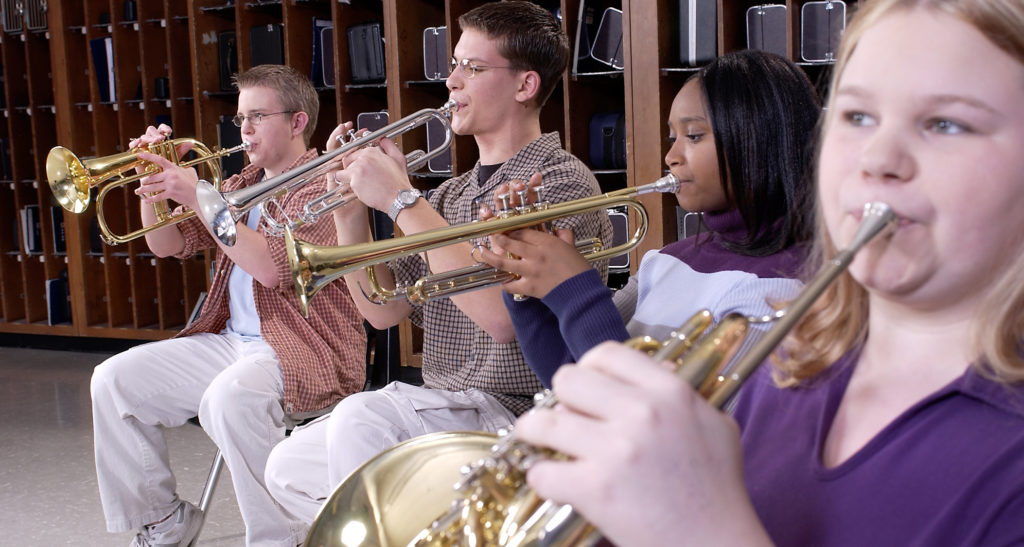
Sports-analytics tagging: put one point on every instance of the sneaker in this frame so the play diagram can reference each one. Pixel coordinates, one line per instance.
(180, 528)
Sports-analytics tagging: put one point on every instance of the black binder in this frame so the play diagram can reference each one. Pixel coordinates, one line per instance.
(327, 43)
(58, 300)
(267, 44)
(316, 73)
(698, 31)
(227, 59)
(60, 245)
(366, 53)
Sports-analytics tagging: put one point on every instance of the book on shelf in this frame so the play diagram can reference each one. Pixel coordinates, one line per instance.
(58, 300)
(30, 229)
(60, 245)
(317, 70)
(103, 65)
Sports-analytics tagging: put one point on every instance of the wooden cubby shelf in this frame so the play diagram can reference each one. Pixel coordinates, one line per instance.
(166, 68)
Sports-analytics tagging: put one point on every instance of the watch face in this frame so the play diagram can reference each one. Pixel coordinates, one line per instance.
(409, 197)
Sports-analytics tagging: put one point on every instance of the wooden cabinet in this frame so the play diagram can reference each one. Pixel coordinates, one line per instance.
(170, 64)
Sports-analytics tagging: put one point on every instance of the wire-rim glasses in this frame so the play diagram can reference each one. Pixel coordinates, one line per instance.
(469, 68)
(256, 118)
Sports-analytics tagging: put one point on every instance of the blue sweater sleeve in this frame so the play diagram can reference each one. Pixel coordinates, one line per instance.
(538, 335)
(586, 313)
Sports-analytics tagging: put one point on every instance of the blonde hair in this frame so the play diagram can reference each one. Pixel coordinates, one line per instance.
(838, 321)
(294, 90)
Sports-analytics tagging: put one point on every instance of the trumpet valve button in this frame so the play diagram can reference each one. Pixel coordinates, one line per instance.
(504, 199)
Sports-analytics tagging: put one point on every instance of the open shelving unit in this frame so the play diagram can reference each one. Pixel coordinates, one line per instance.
(167, 68)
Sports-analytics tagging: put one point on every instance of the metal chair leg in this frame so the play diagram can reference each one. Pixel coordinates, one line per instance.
(207, 497)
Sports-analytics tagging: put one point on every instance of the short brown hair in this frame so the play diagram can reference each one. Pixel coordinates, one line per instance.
(529, 36)
(294, 90)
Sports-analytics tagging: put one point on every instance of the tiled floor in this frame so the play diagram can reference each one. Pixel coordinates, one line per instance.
(48, 492)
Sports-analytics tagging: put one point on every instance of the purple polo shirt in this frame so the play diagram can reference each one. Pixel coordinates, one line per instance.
(948, 471)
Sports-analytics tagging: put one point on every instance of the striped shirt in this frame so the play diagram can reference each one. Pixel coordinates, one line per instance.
(323, 358)
(670, 286)
(458, 354)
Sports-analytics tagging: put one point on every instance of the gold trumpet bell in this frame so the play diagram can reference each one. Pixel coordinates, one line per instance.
(68, 179)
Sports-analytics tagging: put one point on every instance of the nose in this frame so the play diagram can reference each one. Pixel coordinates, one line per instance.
(675, 155)
(886, 155)
(454, 79)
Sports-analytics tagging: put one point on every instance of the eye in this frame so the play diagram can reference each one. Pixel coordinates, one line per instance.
(694, 137)
(945, 126)
(671, 138)
(857, 118)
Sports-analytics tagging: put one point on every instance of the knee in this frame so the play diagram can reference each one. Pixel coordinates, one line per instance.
(222, 401)
(105, 376)
(275, 474)
(356, 410)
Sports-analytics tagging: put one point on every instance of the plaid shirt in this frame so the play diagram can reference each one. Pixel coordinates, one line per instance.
(322, 358)
(458, 354)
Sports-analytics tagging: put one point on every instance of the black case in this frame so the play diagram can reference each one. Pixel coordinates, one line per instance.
(366, 53)
(589, 18)
(316, 71)
(607, 46)
(266, 42)
(12, 16)
(435, 53)
(619, 218)
(441, 163)
(35, 14)
(608, 140)
(821, 26)
(372, 120)
(327, 42)
(766, 28)
(698, 32)
(227, 58)
(229, 136)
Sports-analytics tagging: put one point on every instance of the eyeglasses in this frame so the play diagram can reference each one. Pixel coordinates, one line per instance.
(255, 118)
(469, 68)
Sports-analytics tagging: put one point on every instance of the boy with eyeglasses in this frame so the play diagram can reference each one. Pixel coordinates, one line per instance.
(250, 365)
(508, 60)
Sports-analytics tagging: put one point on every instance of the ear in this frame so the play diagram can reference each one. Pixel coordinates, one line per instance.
(529, 86)
(299, 122)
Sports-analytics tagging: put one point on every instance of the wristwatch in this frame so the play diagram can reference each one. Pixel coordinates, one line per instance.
(405, 198)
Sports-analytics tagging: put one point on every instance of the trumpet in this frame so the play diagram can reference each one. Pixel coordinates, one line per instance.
(71, 179)
(491, 503)
(314, 267)
(222, 210)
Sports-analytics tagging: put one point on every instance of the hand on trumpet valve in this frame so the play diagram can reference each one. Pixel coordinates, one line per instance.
(171, 182)
(151, 136)
(342, 134)
(540, 260)
(377, 174)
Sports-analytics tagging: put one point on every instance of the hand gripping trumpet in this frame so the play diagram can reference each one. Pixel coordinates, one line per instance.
(314, 267)
(222, 210)
(72, 179)
(387, 500)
